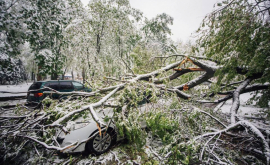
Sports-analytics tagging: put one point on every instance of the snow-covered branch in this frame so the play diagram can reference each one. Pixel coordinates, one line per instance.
(250, 127)
(184, 55)
(91, 106)
(196, 81)
(236, 101)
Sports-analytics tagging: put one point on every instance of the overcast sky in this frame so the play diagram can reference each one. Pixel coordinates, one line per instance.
(187, 14)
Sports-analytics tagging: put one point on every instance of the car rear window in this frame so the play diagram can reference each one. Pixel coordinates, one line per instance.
(65, 85)
(35, 86)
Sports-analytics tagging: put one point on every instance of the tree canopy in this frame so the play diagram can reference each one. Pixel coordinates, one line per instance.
(237, 35)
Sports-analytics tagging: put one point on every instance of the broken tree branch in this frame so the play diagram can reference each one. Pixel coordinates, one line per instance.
(91, 106)
(236, 101)
(248, 126)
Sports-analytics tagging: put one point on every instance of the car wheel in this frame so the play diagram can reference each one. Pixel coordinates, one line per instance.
(100, 144)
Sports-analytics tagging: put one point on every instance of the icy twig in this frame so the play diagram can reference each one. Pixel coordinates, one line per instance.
(36, 150)
(159, 157)
(251, 128)
(210, 116)
(201, 155)
(116, 158)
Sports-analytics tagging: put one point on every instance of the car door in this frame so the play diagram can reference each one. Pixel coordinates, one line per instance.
(55, 86)
(65, 86)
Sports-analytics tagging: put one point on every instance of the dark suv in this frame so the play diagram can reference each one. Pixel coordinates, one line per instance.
(61, 86)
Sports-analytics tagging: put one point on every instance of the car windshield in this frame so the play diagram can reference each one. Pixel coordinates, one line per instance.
(35, 85)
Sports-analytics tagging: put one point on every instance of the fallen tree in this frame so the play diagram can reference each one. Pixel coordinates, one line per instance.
(32, 124)
(235, 61)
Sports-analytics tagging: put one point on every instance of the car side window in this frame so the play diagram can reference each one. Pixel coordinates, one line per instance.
(46, 85)
(77, 86)
(53, 85)
(65, 85)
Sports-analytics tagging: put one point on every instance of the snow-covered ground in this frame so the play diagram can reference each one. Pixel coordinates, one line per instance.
(14, 88)
(243, 109)
(247, 111)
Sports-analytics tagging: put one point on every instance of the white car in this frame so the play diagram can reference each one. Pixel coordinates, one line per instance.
(98, 144)
(82, 130)
(100, 141)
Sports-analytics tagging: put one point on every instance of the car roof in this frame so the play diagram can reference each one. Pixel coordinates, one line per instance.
(57, 81)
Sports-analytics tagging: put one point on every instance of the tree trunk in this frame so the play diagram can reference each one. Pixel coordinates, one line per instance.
(72, 74)
(83, 75)
(39, 77)
(63, 75)
(54, 74)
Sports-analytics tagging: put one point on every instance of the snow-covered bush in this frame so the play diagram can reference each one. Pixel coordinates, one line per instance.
(12, 70)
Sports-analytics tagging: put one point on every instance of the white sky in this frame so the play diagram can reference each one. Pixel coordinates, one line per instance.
(187, 14)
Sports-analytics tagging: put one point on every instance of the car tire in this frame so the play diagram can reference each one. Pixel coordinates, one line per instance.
(101, 144)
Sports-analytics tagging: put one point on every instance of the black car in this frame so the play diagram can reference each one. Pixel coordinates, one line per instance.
(60, 85)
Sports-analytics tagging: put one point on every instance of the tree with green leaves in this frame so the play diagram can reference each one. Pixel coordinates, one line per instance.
(157, 28)
(12, 37)
(42, 24)
(237, 35)
(103, 37)
(47, 22)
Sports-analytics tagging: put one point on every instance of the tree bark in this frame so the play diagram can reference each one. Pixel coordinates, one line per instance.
(39, 77)
(72, 74)
(83, 75)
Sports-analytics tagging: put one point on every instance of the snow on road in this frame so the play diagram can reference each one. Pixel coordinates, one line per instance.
(15, 88)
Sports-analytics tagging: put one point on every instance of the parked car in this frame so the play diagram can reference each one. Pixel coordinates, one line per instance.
(59, 85)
